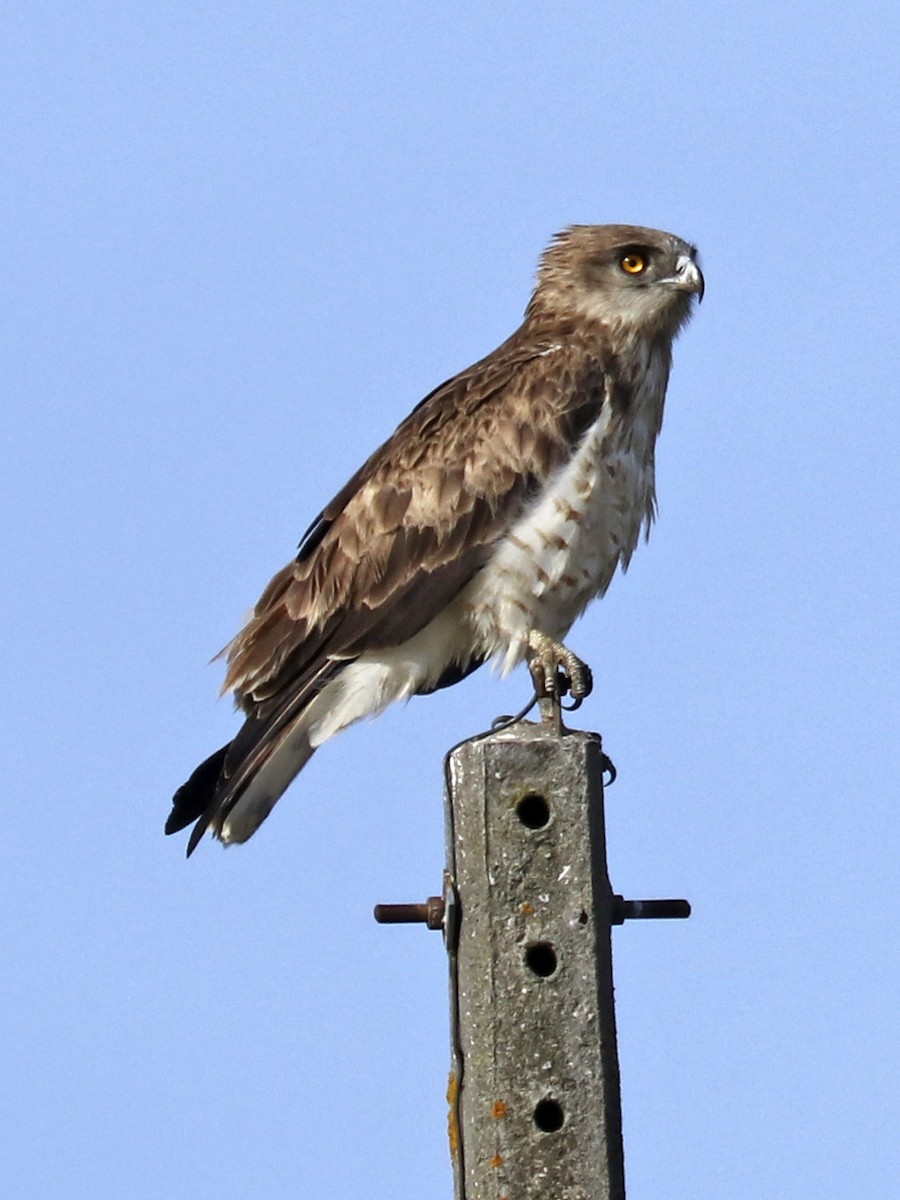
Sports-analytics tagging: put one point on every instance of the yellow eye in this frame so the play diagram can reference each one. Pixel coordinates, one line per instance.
(633, 264)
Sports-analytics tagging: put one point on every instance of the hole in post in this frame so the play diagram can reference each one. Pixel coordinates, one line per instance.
(549, 1116)
(533, 811)
(541, 958)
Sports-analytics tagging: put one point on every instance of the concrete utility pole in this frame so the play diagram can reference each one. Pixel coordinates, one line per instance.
(527, 910)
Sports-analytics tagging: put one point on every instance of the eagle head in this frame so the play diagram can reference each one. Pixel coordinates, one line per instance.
(629, 278)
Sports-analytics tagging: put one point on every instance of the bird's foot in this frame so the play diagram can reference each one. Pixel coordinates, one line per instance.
(556, 672)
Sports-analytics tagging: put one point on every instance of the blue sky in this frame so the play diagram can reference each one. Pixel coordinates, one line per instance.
(239, 243)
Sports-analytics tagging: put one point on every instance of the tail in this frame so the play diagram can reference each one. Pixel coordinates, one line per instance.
(233, 791)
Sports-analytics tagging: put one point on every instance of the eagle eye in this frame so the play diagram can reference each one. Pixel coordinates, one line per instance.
(633, 263)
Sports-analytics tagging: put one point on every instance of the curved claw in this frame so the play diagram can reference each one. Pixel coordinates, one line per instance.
(579, 680)
(557, 671)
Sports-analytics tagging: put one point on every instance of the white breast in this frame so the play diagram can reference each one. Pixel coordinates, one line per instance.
(565, 549)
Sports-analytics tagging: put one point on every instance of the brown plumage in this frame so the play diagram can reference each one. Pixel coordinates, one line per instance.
(469, 514)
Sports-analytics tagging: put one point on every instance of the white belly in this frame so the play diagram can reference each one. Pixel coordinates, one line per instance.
(565, 550)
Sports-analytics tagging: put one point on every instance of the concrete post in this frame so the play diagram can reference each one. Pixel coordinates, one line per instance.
(535, 1103)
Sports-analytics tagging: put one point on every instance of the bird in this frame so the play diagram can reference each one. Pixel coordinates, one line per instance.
(479, 531)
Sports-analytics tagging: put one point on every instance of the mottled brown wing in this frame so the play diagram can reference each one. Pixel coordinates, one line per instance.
(419, 519)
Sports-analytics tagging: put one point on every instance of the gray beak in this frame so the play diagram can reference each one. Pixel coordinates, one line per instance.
(688, 277)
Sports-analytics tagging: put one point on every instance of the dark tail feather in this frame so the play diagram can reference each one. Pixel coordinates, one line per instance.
(219, 784)
(193, 798)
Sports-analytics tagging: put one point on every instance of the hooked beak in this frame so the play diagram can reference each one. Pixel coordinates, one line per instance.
(688, 277)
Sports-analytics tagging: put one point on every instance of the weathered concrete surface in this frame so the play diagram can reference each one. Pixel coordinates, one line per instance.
(537, 1105)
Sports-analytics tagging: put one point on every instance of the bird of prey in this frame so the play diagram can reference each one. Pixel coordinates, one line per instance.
(479, 531)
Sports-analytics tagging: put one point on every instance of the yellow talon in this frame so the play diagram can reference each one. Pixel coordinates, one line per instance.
(556, 671)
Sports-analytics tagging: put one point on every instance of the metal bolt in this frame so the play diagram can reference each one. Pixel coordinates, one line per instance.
(628, 910)
(431, 913)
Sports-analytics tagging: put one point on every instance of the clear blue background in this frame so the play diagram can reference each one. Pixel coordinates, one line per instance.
(239, 242)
